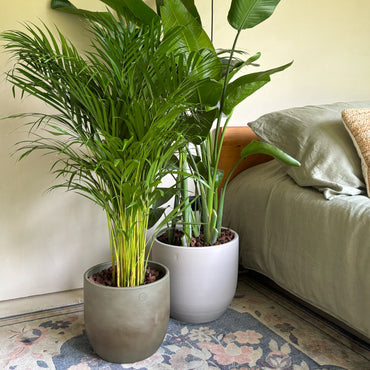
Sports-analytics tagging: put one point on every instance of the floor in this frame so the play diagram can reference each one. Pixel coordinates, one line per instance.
(301, 328)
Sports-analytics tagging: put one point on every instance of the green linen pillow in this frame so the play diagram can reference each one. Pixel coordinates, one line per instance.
(315, 136)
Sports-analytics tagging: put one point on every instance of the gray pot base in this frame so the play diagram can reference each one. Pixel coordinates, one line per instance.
(126, 325)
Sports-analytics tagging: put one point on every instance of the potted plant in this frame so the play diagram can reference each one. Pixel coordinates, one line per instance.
(118, 120)
(220, 91)
(204, 278)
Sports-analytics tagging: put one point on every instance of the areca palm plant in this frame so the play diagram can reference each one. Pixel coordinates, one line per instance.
(118, 118)
(224, 87)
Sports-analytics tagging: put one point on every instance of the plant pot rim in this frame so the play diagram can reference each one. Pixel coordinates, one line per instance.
(224, 245)
(139, 287)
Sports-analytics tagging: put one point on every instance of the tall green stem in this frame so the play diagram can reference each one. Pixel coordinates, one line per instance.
(186, 240)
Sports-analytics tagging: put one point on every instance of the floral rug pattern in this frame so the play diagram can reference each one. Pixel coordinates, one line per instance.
(260, 331)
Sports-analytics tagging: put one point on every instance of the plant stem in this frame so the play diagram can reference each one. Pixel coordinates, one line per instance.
(185, 191)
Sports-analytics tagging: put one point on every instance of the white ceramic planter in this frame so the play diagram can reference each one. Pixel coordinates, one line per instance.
(203, 279)
(126, 325)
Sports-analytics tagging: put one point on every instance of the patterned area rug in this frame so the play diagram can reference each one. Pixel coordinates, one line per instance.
(260, 330)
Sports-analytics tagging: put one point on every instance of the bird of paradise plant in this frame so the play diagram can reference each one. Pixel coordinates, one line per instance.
(217, 99)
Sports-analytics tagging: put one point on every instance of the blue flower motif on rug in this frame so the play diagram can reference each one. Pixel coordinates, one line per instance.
(235, 341)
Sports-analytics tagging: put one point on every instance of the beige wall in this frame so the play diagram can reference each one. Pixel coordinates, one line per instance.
(48, 239)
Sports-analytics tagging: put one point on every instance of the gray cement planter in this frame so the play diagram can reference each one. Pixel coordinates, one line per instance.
(203, 279)
(126, 325)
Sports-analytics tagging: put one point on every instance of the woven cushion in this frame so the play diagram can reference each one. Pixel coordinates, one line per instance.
(357, 122)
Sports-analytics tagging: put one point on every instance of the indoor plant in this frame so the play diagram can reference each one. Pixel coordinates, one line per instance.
(215, 98)
(204, 278)
(216, 101)
(220, 90)
(117, 123)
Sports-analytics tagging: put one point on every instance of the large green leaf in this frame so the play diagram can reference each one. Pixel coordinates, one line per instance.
(189, 4)
(162, 196)
(209, 92)
(241, 90)
(191, 37)
(265, 148)
(155, 215)
(207, 173)
(175, 14)
(246, 85)
(138, 8)
(199, 125)
(132, 8)
(55, 4)
(67, 7)
(248, 13)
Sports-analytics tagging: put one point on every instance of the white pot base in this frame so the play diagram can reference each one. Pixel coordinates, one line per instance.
(203, 280)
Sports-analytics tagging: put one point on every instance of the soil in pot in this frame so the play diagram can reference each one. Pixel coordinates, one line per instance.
(105, 277)
(226, 236)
